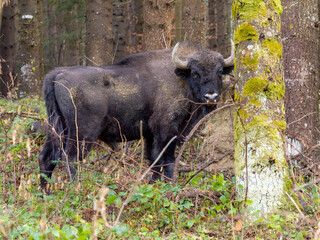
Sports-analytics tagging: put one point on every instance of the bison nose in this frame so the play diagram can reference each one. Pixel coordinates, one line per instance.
(211, 97)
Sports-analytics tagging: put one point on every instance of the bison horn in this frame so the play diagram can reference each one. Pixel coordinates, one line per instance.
(230, 60)
(176, 60)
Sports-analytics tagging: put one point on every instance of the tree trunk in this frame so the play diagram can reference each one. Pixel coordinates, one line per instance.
(8, 48)
(301, 61)
(64, 34)
(121, 31)
(1, 8)
(72, 46)
(260, 164)
(30, 59)
(178, 21)
(99, 46)
(194, 19)
(219, 26)
(157, 28)
(50, 53)
(135, 26)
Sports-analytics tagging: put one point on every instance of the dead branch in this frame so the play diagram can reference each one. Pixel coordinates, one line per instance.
(5, 114)
(207, 165)
(195, 128)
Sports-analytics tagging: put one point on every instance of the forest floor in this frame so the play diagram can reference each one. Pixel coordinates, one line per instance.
(108, 201)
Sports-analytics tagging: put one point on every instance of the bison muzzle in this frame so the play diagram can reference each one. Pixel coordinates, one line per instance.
(168, 90)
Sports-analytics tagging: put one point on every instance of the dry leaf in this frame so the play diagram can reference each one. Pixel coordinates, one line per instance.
(238, 226)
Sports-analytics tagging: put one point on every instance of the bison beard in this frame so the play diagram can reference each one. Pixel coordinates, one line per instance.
(108, 102)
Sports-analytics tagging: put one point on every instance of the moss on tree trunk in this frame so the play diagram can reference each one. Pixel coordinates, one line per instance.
(259, 149)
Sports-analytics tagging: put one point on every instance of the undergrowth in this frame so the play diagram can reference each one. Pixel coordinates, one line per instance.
(108, 203)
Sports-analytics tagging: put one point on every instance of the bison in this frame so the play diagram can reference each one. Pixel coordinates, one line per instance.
(168, 90)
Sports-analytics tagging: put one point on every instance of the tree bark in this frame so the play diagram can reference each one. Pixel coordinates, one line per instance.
(157, 28)
(64, 34)
(194, 19)
(99, 46)
(135, 26)
(30, 57)
(260, 164)
(301, 72)
(8, 49)
(50, 29)
(73, 45)
(220, 26)
(178, 21)
(121, 30)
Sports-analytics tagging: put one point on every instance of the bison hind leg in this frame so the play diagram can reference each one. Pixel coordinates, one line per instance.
(74, 154)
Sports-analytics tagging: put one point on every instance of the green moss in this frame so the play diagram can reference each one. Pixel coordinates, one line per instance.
(255, 101)
(287, 203)
(243, 114)
(260, 85)
(281, 124)
(249, 9)
(275, 91)
(254, 86)
(274, 48)
(236, 96)
(278, 79)
(262, 127)
(251, 62)
(276, 4)
(246, 32)
(234, 10)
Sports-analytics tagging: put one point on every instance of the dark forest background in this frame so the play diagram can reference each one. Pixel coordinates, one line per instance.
(37, 36)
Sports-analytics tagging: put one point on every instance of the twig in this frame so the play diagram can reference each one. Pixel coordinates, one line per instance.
(160, 155)
(307, 184)
(295, 205)
(191, 134)
(246, 167)
(317, 233)
(206, 165)
(115, 50)
(22, 114)
(142, 146)
(301, 213)
(91, 61)
(77, 131)
(301, 118)
(133, 190)
(164, 39)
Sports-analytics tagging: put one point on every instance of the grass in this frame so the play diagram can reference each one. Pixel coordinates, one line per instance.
(108, 203)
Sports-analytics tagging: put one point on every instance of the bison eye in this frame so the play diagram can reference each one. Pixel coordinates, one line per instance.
(195, 75)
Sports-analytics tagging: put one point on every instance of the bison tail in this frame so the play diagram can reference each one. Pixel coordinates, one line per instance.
(56, 123)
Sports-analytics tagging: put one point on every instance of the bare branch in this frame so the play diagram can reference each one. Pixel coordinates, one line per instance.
(205, 118)
(207, 165)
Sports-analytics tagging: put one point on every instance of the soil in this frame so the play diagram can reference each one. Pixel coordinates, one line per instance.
(217, 135)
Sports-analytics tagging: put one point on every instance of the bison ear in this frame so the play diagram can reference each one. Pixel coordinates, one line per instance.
(227, 70)
(182, 73)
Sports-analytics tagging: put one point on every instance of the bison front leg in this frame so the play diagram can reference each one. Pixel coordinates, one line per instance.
(166, 161)
(169, 161)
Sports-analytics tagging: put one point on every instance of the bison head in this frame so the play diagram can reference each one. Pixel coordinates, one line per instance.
(203, 70)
